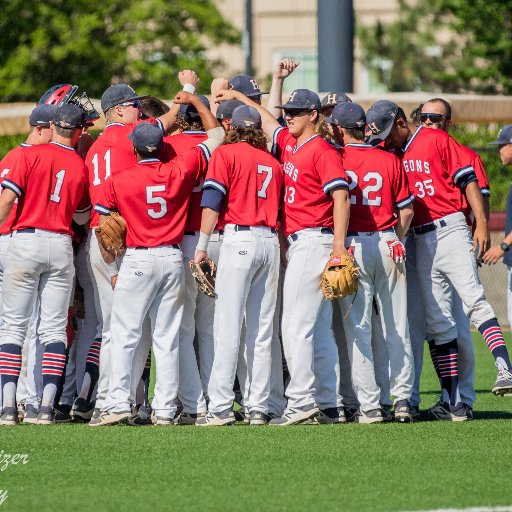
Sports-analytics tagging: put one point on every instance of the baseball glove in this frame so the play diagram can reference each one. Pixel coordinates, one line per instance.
(204, 274)
(111, 233)
(339, 277)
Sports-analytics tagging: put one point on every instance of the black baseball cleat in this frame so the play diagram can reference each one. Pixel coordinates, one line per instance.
(402, 411)
(82, 410)
(63, 413)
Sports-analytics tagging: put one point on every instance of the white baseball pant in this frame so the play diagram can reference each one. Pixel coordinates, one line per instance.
(382, 279)
(447, 257)
(103, 298)
(416, 316)
(303, 305)
(197, 316)
(150, 284)
(246, 285)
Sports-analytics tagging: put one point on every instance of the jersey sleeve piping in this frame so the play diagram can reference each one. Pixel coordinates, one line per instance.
(277, 131)
(334, 184)
(463, 176)
(14, 187)
(405, 202)
(103, 210)
(211, 183)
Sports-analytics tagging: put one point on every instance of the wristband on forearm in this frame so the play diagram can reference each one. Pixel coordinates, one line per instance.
(189, 88)
(202, 243)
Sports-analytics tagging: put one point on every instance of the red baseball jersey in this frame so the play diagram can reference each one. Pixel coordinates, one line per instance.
(251, 180)
(5, 166)
(179, 144)
(312, 171)
(111, 151)
(436, 166)
(50, 181)
(482, 179)
(153, 197)
(378, 186)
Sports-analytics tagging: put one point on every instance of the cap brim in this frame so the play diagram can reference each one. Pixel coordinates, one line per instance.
(498, 142)
(288, 106)
(376, 139)
(253, 94)
(329, 120)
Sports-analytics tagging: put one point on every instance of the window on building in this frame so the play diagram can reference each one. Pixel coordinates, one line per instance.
(306, 75)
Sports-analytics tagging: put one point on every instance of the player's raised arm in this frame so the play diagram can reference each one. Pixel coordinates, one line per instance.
(283, 69)
(189, 80)
(269, 123)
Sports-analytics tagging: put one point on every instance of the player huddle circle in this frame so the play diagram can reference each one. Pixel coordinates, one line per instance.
(292, 259)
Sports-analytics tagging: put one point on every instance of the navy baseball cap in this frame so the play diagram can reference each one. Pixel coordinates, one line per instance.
(504, 136)
(42, 115)
(69, 116)
(380, 119)
(302, 99)
(347, 115)
(189, 112)
(147, 137)
(246, 85)
(246, 116)
(226, 108)
(332, 99)
(117, 94)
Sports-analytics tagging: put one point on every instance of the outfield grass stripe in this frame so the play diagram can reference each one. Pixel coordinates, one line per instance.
(472, 509)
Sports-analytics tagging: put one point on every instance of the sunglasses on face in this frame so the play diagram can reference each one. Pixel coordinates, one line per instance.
(296, 113)
(434, 118)
(134, 104)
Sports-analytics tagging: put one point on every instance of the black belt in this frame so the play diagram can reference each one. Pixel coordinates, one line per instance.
(238, 227)
(26, 230)
(193, 233)
(174, 246)
(357, 233)
(323, 231)
(427, 228)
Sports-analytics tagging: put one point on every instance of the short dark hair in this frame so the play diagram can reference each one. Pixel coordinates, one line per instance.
(153, 107)
(400, 114)
(148, 154)
(447, 106)
(416, 113)
(356, 133)
(67, 133)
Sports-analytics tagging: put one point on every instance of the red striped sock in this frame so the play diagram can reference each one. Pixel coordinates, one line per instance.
(493, 337)
(447, 355)
(10, 368)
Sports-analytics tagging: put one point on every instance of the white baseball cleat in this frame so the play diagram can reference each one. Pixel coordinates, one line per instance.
(220, 419)
(9, 416)
(503, 385)
(110, 418)
(369, 417)
(295, 416)
(188, 418)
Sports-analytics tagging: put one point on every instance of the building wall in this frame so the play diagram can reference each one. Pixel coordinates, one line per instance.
(288, 28)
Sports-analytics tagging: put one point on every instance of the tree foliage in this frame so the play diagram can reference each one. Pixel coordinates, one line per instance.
(93, 43)
(446, 45)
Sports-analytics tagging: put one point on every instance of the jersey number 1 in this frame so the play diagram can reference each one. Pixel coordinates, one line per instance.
(55, 197)
(97, 181)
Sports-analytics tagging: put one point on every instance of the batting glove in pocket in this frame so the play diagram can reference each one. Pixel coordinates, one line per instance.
(396, 251)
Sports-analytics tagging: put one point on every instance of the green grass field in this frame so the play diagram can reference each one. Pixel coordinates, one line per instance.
(331, 467)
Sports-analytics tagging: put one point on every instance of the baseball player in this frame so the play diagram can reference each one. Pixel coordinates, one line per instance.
(438, 171)
(315, 218)
(437, 114)
(502, 250)
(113, 151)
(378, 188)
(40, 257)
(40, 133)
(153, 198)
(199, 308)
(244, 181)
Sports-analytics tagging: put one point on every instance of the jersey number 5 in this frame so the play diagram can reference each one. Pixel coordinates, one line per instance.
(267, 170)
(152, 199)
